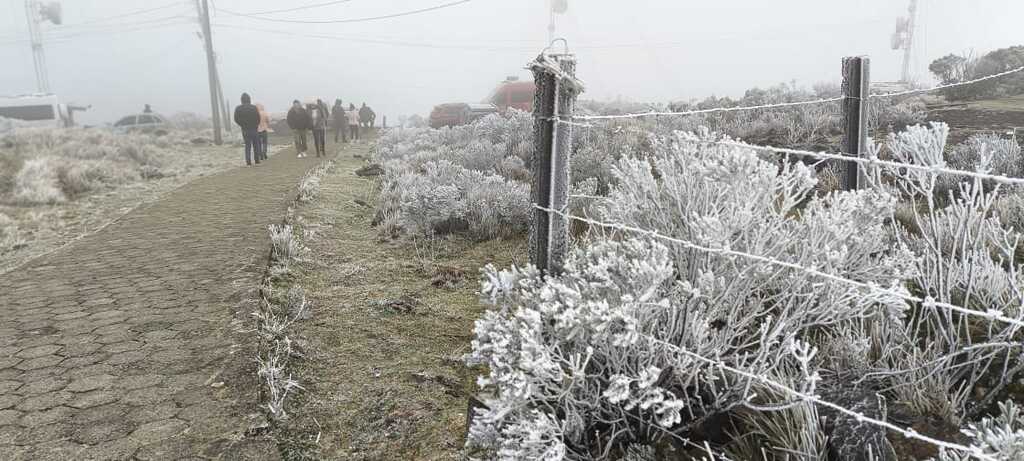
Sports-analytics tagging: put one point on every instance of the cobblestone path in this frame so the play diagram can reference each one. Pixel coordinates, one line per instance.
(121, 346)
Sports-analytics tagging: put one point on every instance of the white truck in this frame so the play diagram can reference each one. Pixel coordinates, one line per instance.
(38, 110)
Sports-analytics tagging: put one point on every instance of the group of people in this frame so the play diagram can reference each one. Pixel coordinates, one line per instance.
(254, 122)
(316, 117)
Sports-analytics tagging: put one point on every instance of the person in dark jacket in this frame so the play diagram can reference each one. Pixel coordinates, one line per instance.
(299, 122)
(364, 116)
(339, 121)
(247, 116)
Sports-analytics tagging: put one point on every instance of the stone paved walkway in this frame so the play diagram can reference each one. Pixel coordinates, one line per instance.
(120, 346)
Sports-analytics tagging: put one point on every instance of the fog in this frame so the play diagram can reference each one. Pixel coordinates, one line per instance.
(640, 50)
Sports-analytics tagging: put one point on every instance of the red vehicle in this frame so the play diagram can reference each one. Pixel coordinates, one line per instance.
(459, 113)
(513, 93)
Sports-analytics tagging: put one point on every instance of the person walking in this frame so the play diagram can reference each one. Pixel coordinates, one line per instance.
(263, 130)
(248, 119)
(364, 116)
(299, 122)
(353, 123)
(320, 120)
(339, 121)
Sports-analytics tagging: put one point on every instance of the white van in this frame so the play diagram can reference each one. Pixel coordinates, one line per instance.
(36, 110)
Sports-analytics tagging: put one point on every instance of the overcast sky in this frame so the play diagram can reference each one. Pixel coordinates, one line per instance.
(640, 50)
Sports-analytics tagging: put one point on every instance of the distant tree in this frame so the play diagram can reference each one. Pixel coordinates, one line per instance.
(1001, 60)
(954, 68)
(950, 68)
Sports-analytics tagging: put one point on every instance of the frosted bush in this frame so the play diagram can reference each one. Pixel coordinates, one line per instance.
(1000, 437)
(986, 153)
(468, 178)
(600, 347)
(38, 183)
(75, 162)
(1009, 208)
(446, 197)
(966, 257)
(285, 248)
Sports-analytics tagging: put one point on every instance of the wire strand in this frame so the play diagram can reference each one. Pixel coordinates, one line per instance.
(708, 111)
(297, 8)
(991, 314)
(909, 433)
(876, 162)
(797, 103)
(347, 21)
(949, 85)
(125, 15)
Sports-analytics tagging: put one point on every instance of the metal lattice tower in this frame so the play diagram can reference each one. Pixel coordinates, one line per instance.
(36, 38)
(908, 43)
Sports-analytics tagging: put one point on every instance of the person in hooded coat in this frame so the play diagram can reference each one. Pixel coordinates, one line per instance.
(247, 116)
(299, 122)
(339, 121)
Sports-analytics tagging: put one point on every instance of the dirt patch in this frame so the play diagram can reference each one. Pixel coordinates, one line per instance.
(1000, 115)
(387, 383)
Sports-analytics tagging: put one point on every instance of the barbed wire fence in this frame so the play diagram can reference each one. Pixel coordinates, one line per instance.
(555, 122)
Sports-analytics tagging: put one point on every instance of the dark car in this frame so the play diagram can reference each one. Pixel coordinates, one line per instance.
(459, 113)
(142, 123)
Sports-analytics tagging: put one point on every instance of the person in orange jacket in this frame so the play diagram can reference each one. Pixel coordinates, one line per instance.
(263, 129)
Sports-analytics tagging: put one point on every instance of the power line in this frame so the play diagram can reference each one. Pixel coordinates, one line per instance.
(125, 15)
(108, 32)
(375, 41)
(297, 8)
(345, 21)
(99, 27)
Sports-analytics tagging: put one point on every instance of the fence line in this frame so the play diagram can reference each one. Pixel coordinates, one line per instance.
(948, 85)
(885, 295)
(991, 314)
(909, 433)
(792, 104)
(874, 161)
(708, 111)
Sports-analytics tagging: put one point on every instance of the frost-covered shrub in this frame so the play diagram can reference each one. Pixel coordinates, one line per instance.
(446, 198)
(1001, 437)
(604, 349)
(986, 153)
(965, 257)
(468, 178)
(80, 177)
(55, 165)
(38, 183)
(284, 246)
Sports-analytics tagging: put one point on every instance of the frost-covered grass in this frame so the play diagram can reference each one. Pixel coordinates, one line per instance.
(309, 186)
(598, 361)
(56, 184)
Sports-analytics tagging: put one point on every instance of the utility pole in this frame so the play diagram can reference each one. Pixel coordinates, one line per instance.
(37, 13)
(211, 68)
(908, 44)
(226, 112)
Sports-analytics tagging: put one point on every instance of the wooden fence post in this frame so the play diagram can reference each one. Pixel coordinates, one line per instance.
(856, 86)
(554, 100)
